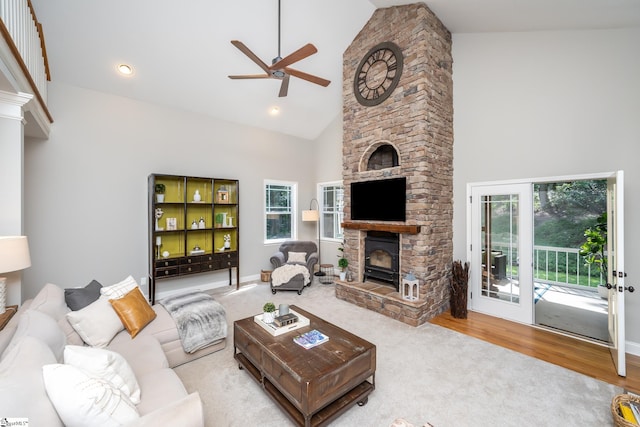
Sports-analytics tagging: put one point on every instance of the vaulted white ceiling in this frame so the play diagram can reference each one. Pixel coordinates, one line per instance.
(182, 55)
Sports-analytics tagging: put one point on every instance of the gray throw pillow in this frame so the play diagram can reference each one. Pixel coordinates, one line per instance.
(79, 298)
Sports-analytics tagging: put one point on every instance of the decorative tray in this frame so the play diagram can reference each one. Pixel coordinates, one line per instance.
(275, 331)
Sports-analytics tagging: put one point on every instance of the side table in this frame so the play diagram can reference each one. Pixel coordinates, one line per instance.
(327, 277)
(10, 310)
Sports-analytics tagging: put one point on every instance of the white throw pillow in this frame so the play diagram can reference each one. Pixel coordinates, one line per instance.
(83, 401)
(119, 289)
(107, 365)
(297, 257)
(33, 323)
(97, 323)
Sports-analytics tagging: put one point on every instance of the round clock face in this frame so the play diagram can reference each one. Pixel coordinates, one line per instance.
(378, 74)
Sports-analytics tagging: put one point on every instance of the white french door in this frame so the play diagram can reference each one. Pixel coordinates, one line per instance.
(616, 272)
(500, 232)
(501, 274)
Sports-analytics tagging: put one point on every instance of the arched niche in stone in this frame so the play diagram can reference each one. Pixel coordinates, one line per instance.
(379, 155)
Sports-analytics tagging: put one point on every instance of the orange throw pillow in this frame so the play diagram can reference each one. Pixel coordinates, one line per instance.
(134, 311)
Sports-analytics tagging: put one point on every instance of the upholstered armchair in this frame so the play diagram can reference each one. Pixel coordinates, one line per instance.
(293, 266)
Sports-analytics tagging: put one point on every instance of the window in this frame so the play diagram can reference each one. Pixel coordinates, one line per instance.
(279, 206)
(332, 196)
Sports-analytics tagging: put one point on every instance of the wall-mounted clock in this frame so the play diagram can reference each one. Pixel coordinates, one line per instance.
(378, 74)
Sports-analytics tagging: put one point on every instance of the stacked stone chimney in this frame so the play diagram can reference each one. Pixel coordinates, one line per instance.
(417, 122)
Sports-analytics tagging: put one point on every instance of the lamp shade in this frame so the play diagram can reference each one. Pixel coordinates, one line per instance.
(310, 215)
(14, 253)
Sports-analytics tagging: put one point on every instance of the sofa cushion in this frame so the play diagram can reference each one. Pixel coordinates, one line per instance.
(78, 298)
(97, 323)
(186, 412)
(120, 289)
(107, 365)
(82, 400)
(22, 391)
(43, 327)
(134, 311)
(50, 300)
(161, 387)
(143, 353)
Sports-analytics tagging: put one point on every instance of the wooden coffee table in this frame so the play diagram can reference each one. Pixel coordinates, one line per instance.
(314, 386)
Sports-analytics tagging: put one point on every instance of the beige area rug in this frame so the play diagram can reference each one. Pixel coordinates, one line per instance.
(424, 374)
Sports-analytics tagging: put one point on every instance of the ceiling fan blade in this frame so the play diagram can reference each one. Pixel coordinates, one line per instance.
(244, 49)
(298, 55)
(251, 76)
(308, 77)
(284, 87)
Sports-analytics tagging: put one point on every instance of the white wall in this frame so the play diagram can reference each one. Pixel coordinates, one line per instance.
(86, 187)
(328, 154)
(549, 104)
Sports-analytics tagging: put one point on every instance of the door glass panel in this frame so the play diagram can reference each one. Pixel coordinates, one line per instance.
(500, 244)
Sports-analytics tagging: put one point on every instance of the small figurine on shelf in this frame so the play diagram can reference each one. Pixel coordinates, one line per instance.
(201, 223)
(159, 214)
(196, 196)
(194, 225)
(227, 241)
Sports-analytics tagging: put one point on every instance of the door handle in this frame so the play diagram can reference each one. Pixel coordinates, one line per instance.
(609, 286)
(629, 288)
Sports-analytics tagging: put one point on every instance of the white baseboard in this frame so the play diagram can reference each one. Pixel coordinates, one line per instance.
(632, 348)
(207, 286)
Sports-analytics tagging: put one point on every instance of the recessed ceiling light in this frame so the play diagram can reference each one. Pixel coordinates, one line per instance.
(125, 69)
(274, 111)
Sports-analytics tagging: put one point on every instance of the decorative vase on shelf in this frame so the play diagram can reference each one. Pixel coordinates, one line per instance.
(224, 219)
(194, 225)
(196, 196)
(201, 223)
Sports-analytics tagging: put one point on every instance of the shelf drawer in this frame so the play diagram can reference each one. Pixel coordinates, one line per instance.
(164, 263)
(190, 260)
(162, 273)
(189, 268)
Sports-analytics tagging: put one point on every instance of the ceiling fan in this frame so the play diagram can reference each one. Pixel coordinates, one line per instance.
(279, 68)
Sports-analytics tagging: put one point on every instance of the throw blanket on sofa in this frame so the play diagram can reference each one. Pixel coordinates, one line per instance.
(286, 272)
(201, 321)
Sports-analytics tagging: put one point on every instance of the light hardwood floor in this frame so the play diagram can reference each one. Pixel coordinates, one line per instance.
(581, 356)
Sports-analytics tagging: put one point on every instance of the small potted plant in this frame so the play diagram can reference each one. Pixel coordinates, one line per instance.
(343, 263)
(269, 312)
(593, 251)
(160, 188)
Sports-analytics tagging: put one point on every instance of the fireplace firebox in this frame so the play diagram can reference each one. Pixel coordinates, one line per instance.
(382, 257)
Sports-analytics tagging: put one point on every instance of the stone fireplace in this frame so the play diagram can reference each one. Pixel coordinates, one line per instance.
(409, 134)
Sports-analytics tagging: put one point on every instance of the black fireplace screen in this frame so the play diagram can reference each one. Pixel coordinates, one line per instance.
(382, 257)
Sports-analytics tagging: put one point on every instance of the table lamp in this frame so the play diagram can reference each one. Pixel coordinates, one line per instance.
(14, 256)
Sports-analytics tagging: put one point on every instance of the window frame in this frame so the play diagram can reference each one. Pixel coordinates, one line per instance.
(337, 212)
(293, 188)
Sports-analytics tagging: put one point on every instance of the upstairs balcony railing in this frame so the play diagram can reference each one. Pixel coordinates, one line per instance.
(23, 34)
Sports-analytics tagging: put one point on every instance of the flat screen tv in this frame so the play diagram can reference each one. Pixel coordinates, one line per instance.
(382, 200)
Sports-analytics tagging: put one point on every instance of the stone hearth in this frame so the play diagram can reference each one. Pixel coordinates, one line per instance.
(410, 134)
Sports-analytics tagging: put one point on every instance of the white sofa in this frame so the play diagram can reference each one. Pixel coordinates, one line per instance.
(37, 336)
